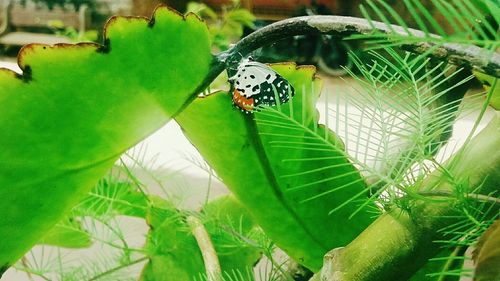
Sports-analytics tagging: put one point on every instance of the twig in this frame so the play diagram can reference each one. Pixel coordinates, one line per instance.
(475, 196)
(298, 272)
(117, 268)
(25, 264)
(210, 259)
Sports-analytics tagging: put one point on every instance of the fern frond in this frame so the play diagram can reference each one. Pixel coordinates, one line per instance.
(398, 118)
(51, 263)
(299, 136)
(471, 224)
(111, 197)
(233, 275)
(463, 22)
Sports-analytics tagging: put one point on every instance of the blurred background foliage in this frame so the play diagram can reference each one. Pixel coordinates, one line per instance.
(225, 27)
(62, 3)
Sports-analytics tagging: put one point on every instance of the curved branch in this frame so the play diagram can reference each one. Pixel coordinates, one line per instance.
(473, 196)
(467, 56)
(463, 55)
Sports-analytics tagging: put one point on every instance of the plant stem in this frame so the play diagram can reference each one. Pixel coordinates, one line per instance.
(474, 196)
(210, 259)
(25, 264)
(115, 269)
(399, 243)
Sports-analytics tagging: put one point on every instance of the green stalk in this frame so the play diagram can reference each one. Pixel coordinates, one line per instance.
(399, 243)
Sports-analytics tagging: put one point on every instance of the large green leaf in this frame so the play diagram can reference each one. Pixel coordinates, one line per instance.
(76, 108)
(285, 168)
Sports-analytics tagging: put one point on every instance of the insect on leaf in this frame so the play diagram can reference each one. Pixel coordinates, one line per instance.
(285, 168)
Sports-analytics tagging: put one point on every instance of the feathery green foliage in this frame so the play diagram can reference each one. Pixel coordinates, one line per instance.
(458, 21)
(397, 118)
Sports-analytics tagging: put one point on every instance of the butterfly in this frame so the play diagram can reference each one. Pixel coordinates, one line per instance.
(256, 84)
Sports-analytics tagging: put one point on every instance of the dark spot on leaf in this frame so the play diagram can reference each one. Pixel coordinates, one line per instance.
(3, 268)
(252, 76)
(19, 76)
(105, 48)
(239, 75)
(237, 82)
(247, 86)
(151, 23)
(268, 76)
(255, 88)
(27, 74)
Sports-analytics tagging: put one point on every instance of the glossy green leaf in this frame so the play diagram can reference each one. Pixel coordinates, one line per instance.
(174, 253)
(76, 108)
(285, 168)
